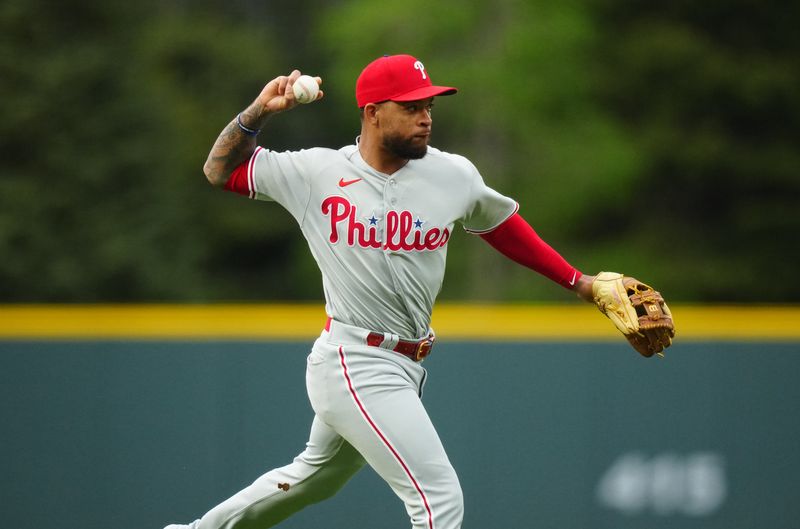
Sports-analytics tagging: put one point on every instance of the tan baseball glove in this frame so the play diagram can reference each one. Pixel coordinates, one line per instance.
(637, 310)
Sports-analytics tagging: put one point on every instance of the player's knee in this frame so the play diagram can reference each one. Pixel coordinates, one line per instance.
(457, 504)
(448, 504)
(326, 476)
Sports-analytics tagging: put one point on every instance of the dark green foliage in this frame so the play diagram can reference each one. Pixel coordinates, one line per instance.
(655, 139)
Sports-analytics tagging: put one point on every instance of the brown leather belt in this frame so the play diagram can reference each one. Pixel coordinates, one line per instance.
(416, 350)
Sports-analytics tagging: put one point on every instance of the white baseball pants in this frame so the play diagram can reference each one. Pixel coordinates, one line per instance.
(368, 409)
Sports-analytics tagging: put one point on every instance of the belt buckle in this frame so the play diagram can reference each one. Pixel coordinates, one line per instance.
(423, 349)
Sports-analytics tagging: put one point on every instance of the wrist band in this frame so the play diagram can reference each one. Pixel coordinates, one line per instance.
(246, 130)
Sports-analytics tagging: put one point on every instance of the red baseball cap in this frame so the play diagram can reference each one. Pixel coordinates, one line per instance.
(396, 78)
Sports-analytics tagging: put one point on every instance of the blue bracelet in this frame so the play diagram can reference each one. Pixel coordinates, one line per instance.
(246, 130)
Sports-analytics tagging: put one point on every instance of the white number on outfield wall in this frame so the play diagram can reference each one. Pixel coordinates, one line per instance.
(693, 485)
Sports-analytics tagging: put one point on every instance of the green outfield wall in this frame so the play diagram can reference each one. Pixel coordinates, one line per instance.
(135, 433)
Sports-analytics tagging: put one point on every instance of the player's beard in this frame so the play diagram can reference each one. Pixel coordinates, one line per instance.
(404, 147)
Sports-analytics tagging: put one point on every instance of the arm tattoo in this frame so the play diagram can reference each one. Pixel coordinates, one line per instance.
(231, 149)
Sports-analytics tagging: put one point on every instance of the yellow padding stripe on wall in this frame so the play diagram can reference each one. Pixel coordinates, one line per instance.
(451, 322)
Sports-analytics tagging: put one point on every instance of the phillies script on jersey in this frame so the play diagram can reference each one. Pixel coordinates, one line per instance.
(402, 231)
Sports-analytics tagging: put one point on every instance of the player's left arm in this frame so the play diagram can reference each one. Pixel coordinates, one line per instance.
(636, 309)
(518, 241)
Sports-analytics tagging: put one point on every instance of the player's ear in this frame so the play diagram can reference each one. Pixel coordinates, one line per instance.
(370, 113)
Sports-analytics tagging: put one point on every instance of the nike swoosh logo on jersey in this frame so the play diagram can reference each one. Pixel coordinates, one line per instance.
(572, 281)
(345, 183)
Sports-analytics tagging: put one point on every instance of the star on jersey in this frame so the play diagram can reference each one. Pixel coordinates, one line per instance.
(418, 223)
(372, 219)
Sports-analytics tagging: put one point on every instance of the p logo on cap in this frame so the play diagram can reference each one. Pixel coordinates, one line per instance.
(396, 78)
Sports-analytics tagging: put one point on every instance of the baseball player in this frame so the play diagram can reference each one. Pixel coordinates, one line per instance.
(377, 216)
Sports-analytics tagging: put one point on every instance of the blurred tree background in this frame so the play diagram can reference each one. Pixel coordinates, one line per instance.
(659, 139)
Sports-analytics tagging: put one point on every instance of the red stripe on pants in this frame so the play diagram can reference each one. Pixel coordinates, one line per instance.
(383, 437)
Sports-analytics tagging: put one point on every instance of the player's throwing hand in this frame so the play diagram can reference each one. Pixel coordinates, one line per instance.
(278, 95)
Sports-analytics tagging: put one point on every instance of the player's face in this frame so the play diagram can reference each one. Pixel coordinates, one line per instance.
(407, 127)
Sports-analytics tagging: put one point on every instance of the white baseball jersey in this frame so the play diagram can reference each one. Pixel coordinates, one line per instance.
(380, 240)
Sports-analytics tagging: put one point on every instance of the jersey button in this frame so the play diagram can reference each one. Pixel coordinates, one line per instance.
(393, 201)
(393, 183)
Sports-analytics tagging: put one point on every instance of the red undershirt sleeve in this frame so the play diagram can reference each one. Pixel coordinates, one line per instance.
(238, 182)
(518, 241)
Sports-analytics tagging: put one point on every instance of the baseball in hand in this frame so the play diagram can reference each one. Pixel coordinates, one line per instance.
(305, 89)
